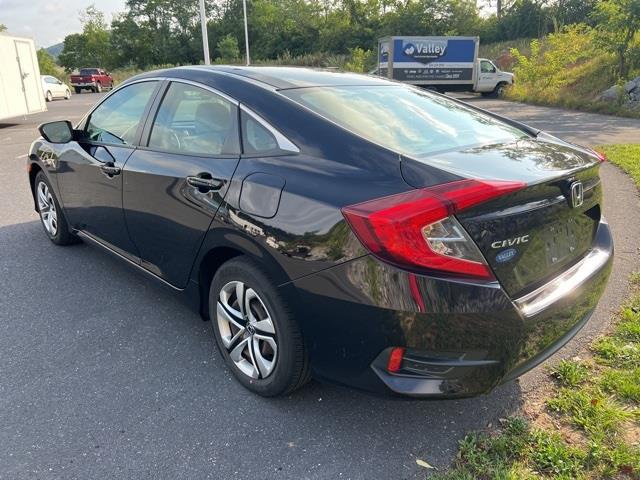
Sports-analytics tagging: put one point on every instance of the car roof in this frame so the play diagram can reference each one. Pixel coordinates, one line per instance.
(282, 78)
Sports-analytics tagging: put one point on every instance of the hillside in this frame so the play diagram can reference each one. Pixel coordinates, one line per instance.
(54, 50)
(569, 69)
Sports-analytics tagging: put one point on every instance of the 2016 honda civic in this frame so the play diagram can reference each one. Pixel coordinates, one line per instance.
(363, 231)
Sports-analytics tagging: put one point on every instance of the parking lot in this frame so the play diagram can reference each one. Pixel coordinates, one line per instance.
(104, 374)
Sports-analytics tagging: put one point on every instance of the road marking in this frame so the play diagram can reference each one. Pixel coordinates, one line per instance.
(23, 156)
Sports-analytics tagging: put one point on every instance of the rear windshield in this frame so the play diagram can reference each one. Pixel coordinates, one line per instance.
(405, 119)
(88, 71)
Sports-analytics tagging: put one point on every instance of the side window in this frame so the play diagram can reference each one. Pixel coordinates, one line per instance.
(487, 67)
(116, 120)
(255, 137)
(193, 120)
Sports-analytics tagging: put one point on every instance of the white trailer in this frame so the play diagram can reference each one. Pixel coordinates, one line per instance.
(20, 86)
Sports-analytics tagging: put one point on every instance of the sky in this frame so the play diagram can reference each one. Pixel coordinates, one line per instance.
(49, 21)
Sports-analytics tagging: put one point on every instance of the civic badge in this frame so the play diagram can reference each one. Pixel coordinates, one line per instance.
(577, 194)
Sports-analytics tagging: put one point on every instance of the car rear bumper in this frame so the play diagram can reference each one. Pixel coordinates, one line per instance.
(461, 338)
(83, 84)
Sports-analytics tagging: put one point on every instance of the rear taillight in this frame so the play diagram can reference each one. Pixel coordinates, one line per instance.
(417, 230)
(601, 156)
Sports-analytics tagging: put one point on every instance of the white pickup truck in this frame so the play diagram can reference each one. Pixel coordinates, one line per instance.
(445, 64)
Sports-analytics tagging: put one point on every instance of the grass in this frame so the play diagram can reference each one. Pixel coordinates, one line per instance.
(626, 156)
(590, 424)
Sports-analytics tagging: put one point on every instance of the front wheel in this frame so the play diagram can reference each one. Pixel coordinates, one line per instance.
(500, 90)
(48, 97)
(51, 215)
(255, 331)
(67, 94)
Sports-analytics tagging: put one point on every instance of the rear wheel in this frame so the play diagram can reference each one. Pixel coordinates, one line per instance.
(78, 90)
(48, 96)
(255, 331)
(51, 215)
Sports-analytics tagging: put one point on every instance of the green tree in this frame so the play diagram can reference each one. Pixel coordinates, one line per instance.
(618, 21)
(91, 47)
(228, 49)
(3, 27)
(47, 64)
(165, 30)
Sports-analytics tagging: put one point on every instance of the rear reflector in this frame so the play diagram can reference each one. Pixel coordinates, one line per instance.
(395, 359)
(416, 229)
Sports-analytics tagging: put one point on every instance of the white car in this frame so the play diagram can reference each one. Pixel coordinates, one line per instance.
(54, 88)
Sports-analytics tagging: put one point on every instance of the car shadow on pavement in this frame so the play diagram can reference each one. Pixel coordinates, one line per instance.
(100, 364)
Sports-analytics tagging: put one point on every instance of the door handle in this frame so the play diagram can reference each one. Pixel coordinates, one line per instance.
(110, 169)
(205, 184)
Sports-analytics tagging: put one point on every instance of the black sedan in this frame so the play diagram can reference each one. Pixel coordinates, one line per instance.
(337, 225)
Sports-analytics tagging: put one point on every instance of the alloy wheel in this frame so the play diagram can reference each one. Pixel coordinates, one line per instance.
(47, 209)
(247, 330)
(49, 97)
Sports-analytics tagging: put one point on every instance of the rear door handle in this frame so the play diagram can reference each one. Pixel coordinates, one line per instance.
(110, 169)
(205, 184)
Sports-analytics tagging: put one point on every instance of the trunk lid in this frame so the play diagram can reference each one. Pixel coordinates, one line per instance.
(530, 236)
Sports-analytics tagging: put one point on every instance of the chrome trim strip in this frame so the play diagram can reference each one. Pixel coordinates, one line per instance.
(283, 142)
(564, 284)
(98, 243)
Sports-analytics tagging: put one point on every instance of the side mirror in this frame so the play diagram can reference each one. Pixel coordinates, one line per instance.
(57, 132)
(59, 82)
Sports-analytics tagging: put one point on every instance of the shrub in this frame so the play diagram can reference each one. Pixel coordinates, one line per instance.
(547, 69)
(228, 49)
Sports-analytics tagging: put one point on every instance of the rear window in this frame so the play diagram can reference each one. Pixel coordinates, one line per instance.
(88, 71)
(405, 119)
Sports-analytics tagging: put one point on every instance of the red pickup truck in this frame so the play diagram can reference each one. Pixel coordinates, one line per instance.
(94, 79)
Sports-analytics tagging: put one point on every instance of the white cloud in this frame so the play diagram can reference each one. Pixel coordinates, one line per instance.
(50, 21)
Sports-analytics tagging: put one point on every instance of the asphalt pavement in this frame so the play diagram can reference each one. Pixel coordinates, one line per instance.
(104, 374)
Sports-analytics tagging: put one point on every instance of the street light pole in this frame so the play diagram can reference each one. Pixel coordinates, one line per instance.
(246, 30)
(205, 35)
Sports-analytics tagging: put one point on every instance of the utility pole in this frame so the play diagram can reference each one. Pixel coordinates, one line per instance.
(246, 30)
(205, 35)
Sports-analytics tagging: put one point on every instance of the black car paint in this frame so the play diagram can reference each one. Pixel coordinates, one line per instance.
(351, 306)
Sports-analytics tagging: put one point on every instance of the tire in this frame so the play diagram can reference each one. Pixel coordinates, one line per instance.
(53, 219)
(78, 90)
(98, 88)
(48, 97)
(247, 341)
(500, 90)
(67, 94)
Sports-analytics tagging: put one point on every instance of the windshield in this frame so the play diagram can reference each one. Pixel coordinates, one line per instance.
(405, 119)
